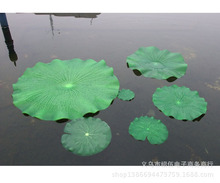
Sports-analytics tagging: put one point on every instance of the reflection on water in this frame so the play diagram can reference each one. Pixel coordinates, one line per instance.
(29, 141)
(151, 113)
(76, 15)
(8, 39)
(189, 53)
(215, 85)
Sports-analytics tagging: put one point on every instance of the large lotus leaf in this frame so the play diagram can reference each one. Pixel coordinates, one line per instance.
(86, 136)
(155, 63)
(179, 102)
(148, 127)
(65, 89)
(126, 94)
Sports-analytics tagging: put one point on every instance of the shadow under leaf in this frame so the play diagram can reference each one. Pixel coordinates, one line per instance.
(91, 114)
(171, 79)
(137, 72)
(62, 120)
(199, 118)
(184, 120)
(25, 114)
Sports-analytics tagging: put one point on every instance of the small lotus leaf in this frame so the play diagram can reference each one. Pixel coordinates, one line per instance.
(179, 102)
(65, 89)
(155, 63)
(126, 94)
(148, 127)
(86, 136)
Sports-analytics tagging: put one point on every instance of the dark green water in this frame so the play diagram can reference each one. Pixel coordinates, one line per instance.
(25, 140)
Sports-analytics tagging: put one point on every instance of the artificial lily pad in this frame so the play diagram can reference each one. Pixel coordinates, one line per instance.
(148, 127)
(179, 102)
(65, 89)
(86, 136)
(126, 94)
(155, 63)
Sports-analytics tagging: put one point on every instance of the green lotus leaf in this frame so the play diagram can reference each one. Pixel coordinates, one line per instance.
(86, 136)
(148, 127)
(155, 63)
(179, 102)
(65, 89)
(126, 94)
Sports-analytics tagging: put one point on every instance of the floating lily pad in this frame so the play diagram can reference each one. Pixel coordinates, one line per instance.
(179, 102)
(155, 63)
(86, 136)
(126, 94)
(65, 89)
(148, 127)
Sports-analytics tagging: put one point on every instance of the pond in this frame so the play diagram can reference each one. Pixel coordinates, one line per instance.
(25, 140)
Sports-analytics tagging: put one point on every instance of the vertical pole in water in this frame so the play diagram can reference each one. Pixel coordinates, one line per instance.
(4, 22)
(8, 39)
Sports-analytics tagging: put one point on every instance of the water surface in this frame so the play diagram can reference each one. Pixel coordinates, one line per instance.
(25, 140)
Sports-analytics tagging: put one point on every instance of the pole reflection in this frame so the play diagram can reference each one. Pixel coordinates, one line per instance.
(8, 39)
